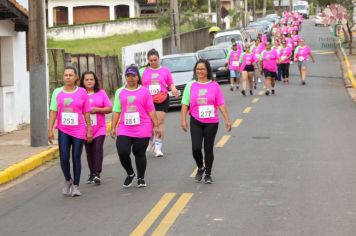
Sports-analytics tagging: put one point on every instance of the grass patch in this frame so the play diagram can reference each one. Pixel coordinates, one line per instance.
(106, 46)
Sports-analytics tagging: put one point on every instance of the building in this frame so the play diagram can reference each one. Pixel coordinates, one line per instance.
(69, 12)
(14, 74)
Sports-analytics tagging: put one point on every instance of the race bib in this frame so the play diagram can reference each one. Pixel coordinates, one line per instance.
(69, 118)
(283, 58)
(93, 119)
(301, 58)
(258, 56)
(207, 111)
(154, 89)
(132, 118)
(235, 63)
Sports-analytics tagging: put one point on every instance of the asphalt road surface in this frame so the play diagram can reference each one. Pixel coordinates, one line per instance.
(288, 168)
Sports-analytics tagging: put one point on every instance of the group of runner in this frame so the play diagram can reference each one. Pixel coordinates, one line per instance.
(140, 106)
(270, 56)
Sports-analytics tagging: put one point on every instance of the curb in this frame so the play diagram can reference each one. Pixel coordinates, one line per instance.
(347, 64)
(16, 170)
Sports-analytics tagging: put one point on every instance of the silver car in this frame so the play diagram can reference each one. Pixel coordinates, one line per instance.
(182, 69)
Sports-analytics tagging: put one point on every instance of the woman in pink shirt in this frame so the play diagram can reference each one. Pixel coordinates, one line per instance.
(301, 54)
(133, 120)
(203, 98)
(70, 107)
(248, 61)
(268, 62)
(285, 55)
(158, 79)
(100, 105)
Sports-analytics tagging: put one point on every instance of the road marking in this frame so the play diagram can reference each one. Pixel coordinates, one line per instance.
(261, 93)
(194, 172)
(324, 53)
(255, 100)
(247, 110)
(237, 123)
(150, 218)
(172, 215)
(223, 141)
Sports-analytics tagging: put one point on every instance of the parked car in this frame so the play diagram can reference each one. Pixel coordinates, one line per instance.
(182, 69)
(217, 58)
(255, 30)
(319, 20)
(267, 26)
(240, 35)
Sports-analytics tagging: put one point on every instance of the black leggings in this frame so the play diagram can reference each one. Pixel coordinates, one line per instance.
(207, 132)
(124, 144)
(285, 70)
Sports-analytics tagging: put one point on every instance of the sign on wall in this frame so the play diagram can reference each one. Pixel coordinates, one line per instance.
(137, 53)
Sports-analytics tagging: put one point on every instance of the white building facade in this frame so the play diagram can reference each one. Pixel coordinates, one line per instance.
(69, 12)
(14, 74)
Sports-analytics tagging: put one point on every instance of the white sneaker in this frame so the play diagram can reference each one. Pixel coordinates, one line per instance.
(158, 153)
(75, 191)
(67, 188)
(150, 147)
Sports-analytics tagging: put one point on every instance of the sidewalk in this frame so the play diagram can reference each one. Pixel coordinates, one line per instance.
(18, 157)
(348, 64)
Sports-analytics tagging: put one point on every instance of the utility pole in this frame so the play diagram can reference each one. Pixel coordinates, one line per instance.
(218, 13)
(245, 15)
(254, 9)
(38, 72)
(238, 13)
(175, 27)
(209, 9)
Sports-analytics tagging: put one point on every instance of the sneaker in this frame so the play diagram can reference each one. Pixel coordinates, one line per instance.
(141, 183)
(303, 82)
(158, 153)
(208, 179)
(231, 88)
(251, 93)
(90, 179)
(97, 179)
(75, 191)
(150, 147)
(199, 175)
(67, 188)
(128, 180)
(243, 92)
(237, 87)
(267, 92)
(272, 91)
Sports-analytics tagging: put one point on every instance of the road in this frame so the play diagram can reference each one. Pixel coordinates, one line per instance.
(288, 169)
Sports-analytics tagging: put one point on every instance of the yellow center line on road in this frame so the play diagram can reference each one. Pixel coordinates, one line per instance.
(151, 217)
(194, 172)
(247, 110)
(172, 215)
(237, 123)
(255, 100)
(223, 141)
(325, 53)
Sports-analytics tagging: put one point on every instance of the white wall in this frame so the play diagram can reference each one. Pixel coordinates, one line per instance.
(77, 3)
(101, 29)
(14, 92)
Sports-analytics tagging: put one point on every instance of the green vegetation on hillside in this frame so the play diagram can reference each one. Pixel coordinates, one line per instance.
(105, 46)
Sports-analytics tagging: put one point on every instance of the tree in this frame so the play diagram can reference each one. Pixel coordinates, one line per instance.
(264, 7)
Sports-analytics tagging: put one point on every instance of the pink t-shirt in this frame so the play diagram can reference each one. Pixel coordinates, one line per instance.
(100, 100)
(247, 59)
(269, 60)
(134, 107)
(264, 38)
(156, 80)
(257, 50)
(296, 39)
(233, 59)
(70, 108)
(290, 42)
(302, 53)
(203, 100)
(285, 54)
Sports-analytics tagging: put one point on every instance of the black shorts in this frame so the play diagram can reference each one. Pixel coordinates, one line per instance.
(268, 73)
(164, 106)
(249, 68)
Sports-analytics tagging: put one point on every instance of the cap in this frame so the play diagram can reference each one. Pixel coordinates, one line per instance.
(131, 71)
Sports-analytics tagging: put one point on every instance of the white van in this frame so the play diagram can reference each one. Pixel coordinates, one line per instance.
(302, 7)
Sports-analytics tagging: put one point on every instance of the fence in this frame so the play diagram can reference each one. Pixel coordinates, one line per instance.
(106, 68)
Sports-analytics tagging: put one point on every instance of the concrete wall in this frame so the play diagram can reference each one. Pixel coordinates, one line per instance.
(190, 41)
(14, 80)
(71, 4)
(101, 29)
